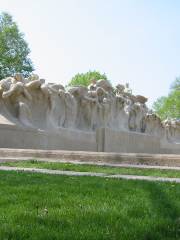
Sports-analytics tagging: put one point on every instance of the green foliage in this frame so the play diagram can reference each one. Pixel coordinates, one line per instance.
(169, 107)
(14, 50)
(85, 79)
(176, 84)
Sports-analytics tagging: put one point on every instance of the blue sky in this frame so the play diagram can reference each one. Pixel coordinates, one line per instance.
(131, 41)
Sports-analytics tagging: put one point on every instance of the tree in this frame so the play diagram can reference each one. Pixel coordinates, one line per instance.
(176, 84)
(14, 49)
(85, 79)
(169, 107)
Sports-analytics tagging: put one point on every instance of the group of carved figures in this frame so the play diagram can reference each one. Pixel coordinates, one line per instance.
(30, 102)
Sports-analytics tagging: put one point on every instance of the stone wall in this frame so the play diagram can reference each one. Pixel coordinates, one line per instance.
(102, 140)
(110, 140)
(64, 139)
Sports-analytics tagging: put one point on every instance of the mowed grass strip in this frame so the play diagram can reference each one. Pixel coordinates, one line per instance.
(42, 207)
(94, 168)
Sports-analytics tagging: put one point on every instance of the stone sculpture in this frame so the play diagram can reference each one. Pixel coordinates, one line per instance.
(34, 104)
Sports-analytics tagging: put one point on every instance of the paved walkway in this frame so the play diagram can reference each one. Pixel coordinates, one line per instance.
(91, 174)
(143, 166)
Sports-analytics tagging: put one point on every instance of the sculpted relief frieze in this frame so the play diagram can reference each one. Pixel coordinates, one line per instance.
(33, 103)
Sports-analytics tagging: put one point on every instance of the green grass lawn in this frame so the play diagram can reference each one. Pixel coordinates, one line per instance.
(47, 207)
(94, 168)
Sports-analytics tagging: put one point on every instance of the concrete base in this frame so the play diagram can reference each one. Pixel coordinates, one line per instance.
(66, 139)
(103, 140)
(128, 142)
(110, 140)
(91, 157)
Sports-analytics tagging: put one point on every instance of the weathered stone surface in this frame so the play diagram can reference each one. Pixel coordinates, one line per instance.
(49, 111)
(103, 158)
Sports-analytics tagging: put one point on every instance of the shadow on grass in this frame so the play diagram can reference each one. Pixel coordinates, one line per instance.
(165, 207)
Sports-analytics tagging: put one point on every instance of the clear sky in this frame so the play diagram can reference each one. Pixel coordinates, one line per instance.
(131, 41)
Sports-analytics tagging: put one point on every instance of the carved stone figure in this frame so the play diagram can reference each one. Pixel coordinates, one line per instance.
(154, 125)
(105, 85)
(127, 89)
(172, 129)
(17, 95)
(120, 89)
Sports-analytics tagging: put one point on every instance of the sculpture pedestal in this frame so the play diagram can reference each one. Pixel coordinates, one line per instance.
(62, 139)
(103, 140)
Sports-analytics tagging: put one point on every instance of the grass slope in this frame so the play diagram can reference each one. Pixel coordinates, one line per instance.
(94, 168)
(42, 207)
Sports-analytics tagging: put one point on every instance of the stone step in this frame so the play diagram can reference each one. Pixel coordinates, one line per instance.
(96, 157)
